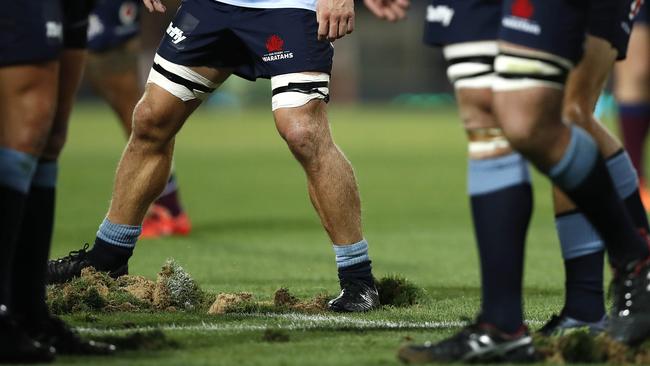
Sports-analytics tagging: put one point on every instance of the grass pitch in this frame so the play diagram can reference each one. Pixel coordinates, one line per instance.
(255, 231)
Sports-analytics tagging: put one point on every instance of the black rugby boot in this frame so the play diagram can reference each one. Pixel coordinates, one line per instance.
(356, 296)
(474, 343)
(17, 347)
(67, 268)
(630, 316)
(54, 331)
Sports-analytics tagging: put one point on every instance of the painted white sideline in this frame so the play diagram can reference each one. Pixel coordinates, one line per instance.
(291, 321)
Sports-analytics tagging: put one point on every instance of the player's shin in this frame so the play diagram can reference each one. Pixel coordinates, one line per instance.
(16, 171)
(583, 175)
(583, 252)
(501, 202)
(34, 241)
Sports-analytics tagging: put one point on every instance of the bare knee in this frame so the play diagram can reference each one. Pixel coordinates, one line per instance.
(148, 128)
(475, 107)
(578, 112)
(36, 122)
(305, 130)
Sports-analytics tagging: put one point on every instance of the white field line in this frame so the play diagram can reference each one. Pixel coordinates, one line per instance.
(291, 322)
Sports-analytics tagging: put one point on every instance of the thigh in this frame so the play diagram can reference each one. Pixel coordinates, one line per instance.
(555, 27)
(27, 102)
(632, 82)
(113, 23)
(71, 66)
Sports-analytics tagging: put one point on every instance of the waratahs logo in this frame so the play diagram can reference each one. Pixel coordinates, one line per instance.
(275, 47)
(523, 9)
(274, 44)
(521, 18)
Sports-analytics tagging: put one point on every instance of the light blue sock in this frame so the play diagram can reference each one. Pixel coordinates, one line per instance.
(491, 175)
(349, 255)
(16, 169)
(623, 174)
(124, 236)
(577, 236)
(577, 162)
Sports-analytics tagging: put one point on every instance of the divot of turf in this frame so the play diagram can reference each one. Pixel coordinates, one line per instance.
(397, 291)
(173, 289)
(283, 302)
(224, 303)
(581, 347)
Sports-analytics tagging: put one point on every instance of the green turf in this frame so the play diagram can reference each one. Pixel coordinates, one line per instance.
(255, 231)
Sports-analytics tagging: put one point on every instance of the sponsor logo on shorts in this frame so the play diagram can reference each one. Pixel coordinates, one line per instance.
(275, 48)
(440, 14)
(54, 30)
(128, 13)
(175, 33)
(520, 20)
(95, 26)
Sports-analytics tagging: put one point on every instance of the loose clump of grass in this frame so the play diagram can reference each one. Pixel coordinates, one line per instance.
(140, 341)
(393, 291)
(582, 347)
(174, 290)
(283, 302)
(398, 291)
(96, 291)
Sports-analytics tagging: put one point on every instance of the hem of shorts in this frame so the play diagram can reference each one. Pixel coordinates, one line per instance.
(265, 8)
(30, 61)
(265, 76)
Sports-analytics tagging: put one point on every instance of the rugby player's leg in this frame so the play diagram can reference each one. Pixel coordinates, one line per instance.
(27, 104)
(632, 91)
(34, 245)
(113, 74)
(501, 202)
(144, 168)
(498, 185)
(582, 247)
(528, 103)
(333, 191)
(531, 118)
